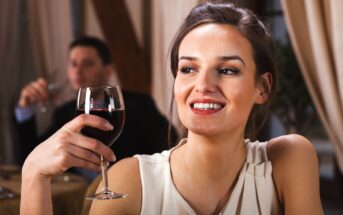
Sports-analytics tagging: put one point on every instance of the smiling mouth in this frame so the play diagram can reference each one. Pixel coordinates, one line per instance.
(207, 106)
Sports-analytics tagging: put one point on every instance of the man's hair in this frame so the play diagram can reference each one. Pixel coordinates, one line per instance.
(99, 45)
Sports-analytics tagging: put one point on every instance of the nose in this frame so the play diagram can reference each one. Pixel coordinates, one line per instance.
(206, 82)
(76, 70)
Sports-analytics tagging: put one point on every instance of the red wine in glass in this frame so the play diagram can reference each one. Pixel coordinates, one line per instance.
(106, 102)
(115, 117)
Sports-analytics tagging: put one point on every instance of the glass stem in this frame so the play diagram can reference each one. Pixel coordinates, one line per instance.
(104, 175)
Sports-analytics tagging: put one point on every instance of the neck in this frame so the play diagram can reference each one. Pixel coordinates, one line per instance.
(214, 157)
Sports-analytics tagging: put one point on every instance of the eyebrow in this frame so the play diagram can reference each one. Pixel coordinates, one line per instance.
(221, 58)
(232, 57)
(187, 58)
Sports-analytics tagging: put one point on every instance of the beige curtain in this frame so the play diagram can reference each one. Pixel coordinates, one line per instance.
(50, 32)
(34, 37)
(316, 31)
(12, 53)
(167, 17)
(50, 29)
(91, 23)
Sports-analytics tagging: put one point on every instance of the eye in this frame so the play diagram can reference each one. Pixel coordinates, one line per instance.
(186, 70)
(228, 70)
(72, 64)
(87, 63)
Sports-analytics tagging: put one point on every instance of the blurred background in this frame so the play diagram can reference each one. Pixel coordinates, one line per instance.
(34, 38)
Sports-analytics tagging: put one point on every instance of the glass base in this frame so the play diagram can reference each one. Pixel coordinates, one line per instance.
(106, 195)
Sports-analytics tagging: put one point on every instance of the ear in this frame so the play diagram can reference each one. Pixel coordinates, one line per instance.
(264, 86)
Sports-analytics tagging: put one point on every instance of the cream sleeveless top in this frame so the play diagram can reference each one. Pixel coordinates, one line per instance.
(254, 191)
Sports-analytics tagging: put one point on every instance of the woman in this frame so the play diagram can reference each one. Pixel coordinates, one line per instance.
(222, 60)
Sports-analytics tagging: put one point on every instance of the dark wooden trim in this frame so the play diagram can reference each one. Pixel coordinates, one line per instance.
(128, 56)
(147, 22)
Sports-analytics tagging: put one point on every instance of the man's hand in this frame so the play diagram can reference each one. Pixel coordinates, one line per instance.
(33, 93)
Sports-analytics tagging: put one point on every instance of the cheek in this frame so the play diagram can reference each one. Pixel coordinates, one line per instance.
(178, 93)
(240, 93)
(182, 89)
(71, 76)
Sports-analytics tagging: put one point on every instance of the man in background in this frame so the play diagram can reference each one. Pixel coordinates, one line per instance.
(90, 64)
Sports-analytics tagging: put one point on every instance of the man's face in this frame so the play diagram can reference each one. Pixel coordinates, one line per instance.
(85, 68)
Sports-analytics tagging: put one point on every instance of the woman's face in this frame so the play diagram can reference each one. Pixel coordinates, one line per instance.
(215, 87)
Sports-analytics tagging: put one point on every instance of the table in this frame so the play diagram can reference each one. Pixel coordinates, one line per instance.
(68, 191)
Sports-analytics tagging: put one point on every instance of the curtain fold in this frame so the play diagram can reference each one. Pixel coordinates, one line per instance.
(34, 38)
(167, 17)
(50, 34)
(315, 29)
(11, 42)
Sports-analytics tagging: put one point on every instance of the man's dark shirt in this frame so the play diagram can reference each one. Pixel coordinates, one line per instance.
(145, 129)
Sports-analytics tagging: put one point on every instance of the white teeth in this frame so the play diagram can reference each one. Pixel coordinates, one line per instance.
(207, 106)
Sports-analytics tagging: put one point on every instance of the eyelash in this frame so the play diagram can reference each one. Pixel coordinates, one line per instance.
(186, 70)
(225, 71)
(228, 70)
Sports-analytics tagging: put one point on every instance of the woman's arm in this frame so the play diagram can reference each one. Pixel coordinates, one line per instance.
(296, 174)
(124, 178)
(66, 148)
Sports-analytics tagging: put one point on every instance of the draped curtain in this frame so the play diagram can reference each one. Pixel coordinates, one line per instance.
(167, 17)
(12, 51)
(34, 37)
(316, 32)
(50, 31)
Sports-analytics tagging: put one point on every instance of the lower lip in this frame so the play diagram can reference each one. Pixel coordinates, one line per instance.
(205, 112)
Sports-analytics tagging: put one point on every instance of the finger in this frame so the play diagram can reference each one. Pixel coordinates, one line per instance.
(40, 89)
(31, 94)
(78, 162)
(84, 154)
(84, 120)
(42, 82)
(90, 144)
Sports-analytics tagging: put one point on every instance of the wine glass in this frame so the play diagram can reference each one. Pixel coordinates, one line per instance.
(54, 89)
(106, 102)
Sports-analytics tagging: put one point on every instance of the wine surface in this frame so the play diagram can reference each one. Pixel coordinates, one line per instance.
(115, 117)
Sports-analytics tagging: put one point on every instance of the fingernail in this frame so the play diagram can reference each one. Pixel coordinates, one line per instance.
(107, 164)
(109, 126)
(114, 158)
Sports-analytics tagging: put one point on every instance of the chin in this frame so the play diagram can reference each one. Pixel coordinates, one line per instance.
(76, 86)
(203, 130)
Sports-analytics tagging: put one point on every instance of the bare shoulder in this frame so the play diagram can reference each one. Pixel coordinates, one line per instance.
(290, 154)
(127, 167)
(124, 178)
(285, 147)
(295, 173)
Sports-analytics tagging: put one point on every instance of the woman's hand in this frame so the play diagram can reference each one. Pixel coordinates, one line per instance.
(68, 148)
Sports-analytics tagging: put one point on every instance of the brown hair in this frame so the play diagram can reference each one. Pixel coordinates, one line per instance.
(256, 33)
